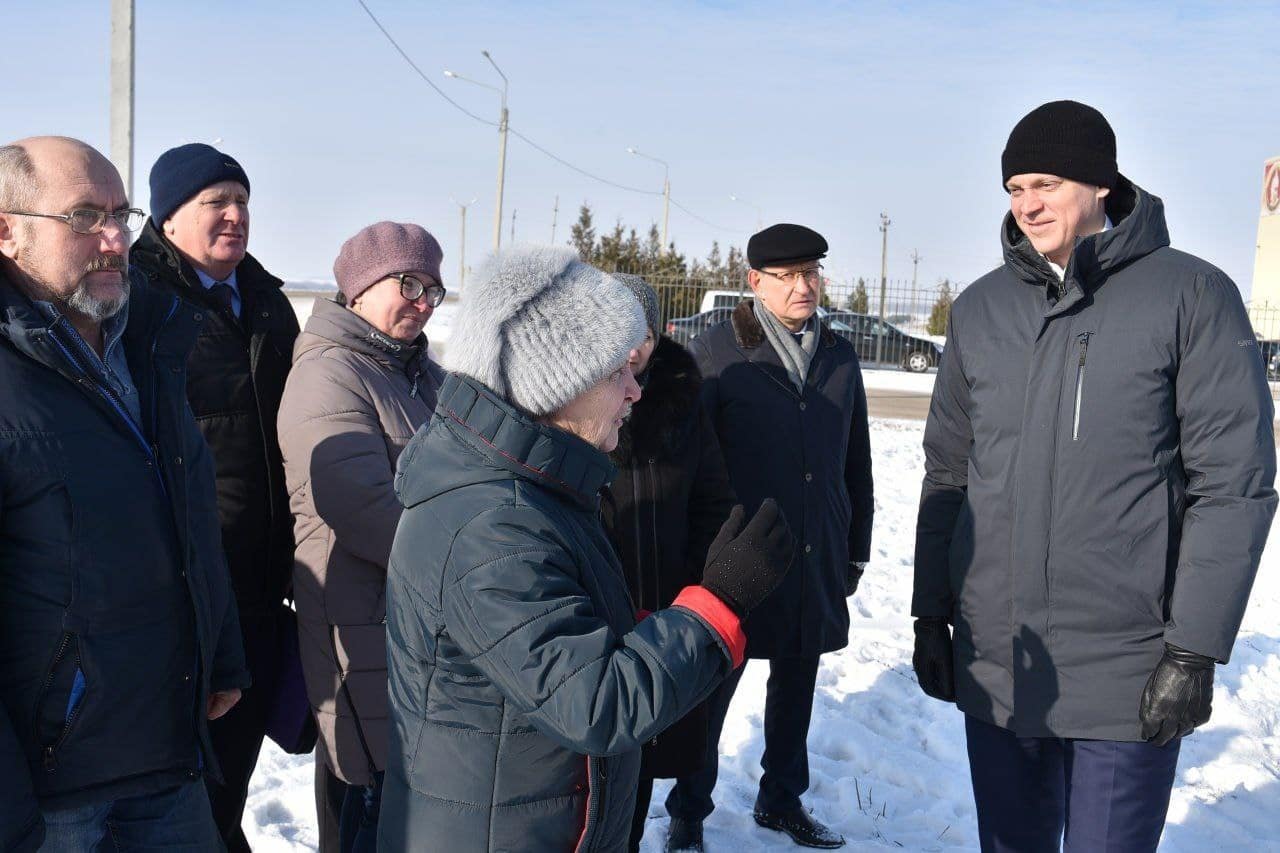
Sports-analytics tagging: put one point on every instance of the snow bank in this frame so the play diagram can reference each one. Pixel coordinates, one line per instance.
(888, 766)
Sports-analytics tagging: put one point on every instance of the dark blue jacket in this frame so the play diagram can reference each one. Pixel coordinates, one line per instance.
(809, 451)
(116, 615)
(521, 686)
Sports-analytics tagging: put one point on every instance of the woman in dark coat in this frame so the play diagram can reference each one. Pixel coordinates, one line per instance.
(666, 504)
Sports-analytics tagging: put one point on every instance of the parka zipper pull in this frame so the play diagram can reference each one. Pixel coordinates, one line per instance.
(1083, 338)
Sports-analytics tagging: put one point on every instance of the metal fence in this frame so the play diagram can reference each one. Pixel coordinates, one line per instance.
(906, 332)
(1265, 317)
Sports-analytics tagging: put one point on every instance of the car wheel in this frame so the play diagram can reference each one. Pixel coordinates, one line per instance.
(917, 362)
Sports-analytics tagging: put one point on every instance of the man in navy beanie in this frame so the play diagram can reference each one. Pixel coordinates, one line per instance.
(195, 245)
(1099, 462)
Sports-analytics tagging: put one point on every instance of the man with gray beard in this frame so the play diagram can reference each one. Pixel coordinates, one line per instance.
(118, 633)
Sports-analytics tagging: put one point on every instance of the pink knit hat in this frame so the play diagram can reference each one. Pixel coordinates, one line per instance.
(383, 249)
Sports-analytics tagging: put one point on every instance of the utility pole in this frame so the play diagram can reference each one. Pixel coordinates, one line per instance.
(884, 267)
(555, 212)
(513, 225)
(915, 267)
(462, 241)
(666, 191)
(122, 40)
(503, 124)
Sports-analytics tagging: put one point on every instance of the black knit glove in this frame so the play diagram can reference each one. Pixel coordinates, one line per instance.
(852, 577)
(932, 661)
(1178, 696)
(744, 565)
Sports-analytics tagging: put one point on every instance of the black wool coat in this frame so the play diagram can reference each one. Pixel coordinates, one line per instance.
(235, 379)
(811, 452)
(665, 506)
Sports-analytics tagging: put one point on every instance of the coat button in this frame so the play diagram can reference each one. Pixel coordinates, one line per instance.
(177, 460)
(808, 548)
(266, 315)
(199, 316)
(802, 405)
(808, 478)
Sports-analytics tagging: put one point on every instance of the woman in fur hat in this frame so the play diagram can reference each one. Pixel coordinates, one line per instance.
(670, 497)
(521, 684)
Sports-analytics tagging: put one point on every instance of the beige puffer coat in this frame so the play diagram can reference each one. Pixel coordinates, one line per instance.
(353, 400)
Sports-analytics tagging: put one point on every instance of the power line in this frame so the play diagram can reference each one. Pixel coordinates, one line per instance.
(522, 137)
(420, 72)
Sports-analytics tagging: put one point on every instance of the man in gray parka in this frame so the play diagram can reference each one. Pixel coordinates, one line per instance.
(1099, 468)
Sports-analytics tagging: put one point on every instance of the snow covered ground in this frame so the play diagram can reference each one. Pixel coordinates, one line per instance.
(887, 765)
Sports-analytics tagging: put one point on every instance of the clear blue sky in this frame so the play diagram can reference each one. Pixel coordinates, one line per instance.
(821, 113)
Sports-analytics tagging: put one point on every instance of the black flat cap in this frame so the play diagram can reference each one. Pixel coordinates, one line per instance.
(785, 244)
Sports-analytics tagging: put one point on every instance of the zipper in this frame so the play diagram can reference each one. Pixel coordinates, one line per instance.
(49, 753)
(594, 796)
(1083, 338)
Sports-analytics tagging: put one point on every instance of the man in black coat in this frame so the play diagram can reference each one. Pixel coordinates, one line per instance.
(118, 631)
(788, 405)
(1099, 462)
(195, 246)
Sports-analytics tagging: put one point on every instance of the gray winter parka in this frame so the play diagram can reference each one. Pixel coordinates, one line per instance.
(353, 400)
(1099, 472)
(522, 687)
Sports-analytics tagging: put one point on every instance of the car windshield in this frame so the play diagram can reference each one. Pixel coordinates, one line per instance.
(837, 326)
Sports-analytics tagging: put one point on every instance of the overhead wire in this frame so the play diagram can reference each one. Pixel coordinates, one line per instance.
(539, 148)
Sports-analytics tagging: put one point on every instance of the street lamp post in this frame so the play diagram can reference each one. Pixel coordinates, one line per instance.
(503, 124)
(462, 241)
(666, 191)
(759, 214)
(884, 266)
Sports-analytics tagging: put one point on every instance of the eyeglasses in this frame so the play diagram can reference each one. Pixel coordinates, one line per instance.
(812, 276)
(87, 221)
(412, 288)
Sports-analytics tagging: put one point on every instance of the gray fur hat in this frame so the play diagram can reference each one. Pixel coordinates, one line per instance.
(646, 294)
(539, 327)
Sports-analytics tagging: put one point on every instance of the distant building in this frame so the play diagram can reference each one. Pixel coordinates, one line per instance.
(1264, 305)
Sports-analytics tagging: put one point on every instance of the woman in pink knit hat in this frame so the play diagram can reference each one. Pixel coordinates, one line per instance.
(362, 383)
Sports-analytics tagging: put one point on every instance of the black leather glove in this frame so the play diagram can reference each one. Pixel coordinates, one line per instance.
(744, 565)
(933, 661)
(1178, 696)
(852, 577)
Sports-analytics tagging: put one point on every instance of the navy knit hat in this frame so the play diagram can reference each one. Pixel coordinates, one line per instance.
(1064, 138)
(184, 171)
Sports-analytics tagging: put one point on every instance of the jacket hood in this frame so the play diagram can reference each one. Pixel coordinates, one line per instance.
(660, 418)
(331, 323)
(476, 437)
(1138, 229)
(153, 252)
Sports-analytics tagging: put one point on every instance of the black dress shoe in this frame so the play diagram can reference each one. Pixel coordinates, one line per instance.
(802, 828)
(684, 835)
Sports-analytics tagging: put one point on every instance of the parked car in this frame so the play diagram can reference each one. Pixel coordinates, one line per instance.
(684, 329)
(1270, 352)
(913, 353)
(723, 298)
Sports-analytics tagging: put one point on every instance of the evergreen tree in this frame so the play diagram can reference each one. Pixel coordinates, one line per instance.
(858, 300)
(941, 309)
(583, 234)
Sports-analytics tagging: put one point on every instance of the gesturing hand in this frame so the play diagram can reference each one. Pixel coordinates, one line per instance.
(744, 565)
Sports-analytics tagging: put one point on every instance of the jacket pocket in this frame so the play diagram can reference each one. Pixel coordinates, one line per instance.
(60, 700)
(1083, 347)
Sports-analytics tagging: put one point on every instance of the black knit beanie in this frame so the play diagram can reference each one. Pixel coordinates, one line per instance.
(1064, 138)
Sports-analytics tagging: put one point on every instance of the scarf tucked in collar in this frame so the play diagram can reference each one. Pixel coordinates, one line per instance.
(796, 356)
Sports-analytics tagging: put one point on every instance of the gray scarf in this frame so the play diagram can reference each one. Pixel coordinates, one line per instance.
(795, 356)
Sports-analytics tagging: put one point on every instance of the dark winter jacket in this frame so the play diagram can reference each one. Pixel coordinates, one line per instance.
(811, 452)
(521, 685)
(354, 400)
(235, 378)
(1099, 471)
(663, 509)
(116, 613)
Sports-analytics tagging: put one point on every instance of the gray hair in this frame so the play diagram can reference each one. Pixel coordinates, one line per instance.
(18, 184)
